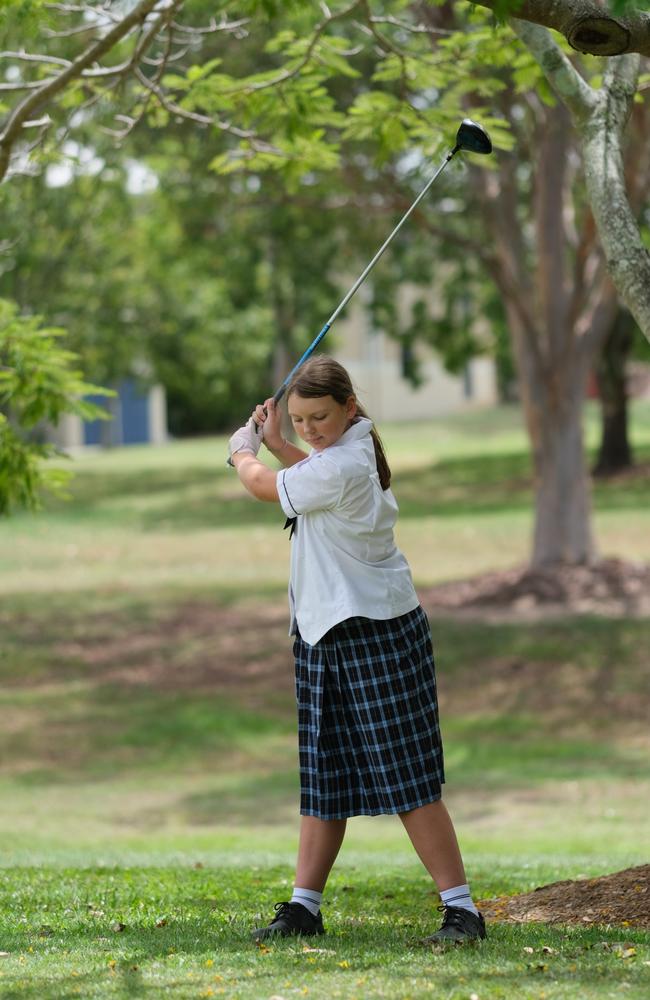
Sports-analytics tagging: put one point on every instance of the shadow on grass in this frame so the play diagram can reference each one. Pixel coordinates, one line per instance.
(543, 700)
(195, 498)
(107, 732)
(272, 794)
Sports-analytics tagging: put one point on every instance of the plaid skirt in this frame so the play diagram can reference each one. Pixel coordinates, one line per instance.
(368, 731)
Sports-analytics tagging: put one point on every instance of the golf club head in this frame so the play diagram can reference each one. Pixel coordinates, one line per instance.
(473, 137)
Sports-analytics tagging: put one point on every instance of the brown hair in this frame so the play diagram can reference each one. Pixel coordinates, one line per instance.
(323, 376)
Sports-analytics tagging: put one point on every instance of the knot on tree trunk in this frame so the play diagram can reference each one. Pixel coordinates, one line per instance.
(599, 36)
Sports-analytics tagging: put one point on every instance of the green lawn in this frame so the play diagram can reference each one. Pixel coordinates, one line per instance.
(147, 745)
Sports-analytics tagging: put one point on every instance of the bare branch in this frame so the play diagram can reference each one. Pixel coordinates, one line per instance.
(26, 85)
(414, 29)
(174, 57)
(30, 57)
(69, 8)
(223, 25)
(80, 29)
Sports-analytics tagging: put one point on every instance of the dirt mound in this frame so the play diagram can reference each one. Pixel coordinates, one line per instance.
(611, 586)
(621, 899)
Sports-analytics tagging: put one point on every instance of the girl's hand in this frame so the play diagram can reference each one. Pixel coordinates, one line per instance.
(244, 440)
(270, 423)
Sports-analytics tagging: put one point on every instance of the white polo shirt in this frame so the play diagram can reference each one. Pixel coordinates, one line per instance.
(344, 561)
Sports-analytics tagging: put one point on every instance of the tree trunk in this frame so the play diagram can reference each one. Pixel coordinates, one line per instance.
(615, 453)
(562, 490)
(552, 399)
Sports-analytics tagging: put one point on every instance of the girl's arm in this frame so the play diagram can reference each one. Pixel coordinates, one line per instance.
(287, 453)
(258, 479)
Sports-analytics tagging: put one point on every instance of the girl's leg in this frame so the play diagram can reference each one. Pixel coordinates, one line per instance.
(320, 840)
(434, 838)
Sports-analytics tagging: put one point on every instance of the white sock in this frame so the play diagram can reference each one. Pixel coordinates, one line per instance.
(308, 898)
(459, 896)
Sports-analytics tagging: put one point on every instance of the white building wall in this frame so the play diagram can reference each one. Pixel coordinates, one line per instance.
(157, 402)
(68, 434)
(374, 361)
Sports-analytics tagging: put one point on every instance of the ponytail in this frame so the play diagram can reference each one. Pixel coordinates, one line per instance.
(383, 468)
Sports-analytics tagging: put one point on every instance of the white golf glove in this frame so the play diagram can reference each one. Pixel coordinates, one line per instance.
(247, 438)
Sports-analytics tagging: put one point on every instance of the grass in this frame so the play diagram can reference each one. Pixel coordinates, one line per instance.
(147, 746)
(184, 933)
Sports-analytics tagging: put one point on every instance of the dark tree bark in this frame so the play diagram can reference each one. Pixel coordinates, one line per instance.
(615, 453)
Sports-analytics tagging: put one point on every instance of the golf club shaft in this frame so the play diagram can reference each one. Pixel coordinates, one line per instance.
(314, 344)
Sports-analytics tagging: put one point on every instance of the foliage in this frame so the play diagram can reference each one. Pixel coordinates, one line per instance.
(195, 280)
(38, 382)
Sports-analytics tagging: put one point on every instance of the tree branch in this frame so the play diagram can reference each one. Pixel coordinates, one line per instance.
(55, 85)
(563, 77)
(587, 25)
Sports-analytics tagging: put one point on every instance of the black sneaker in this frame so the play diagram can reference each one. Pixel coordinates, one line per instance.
(291, 918)
(458, 926)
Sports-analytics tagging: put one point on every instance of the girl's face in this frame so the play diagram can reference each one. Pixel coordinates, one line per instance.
(320, 421)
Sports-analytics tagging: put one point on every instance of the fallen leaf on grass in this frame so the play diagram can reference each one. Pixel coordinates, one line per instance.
(118, 926)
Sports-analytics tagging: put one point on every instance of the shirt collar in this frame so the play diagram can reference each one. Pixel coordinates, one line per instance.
(360, 428)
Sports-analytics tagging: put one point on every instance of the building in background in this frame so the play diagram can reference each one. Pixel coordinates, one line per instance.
(378, 365)
(139, 416)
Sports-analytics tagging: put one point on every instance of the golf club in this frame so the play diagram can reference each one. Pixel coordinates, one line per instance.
(470, 136)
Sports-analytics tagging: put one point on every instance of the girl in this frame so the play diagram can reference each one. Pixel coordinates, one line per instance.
(369, 739)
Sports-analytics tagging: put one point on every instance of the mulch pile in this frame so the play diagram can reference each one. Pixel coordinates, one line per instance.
(621, 899)
(610, 586)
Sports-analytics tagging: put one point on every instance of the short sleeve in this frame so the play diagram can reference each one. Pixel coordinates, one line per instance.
(316, 483)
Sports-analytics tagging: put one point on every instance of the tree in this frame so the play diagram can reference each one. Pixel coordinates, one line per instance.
(38, 381)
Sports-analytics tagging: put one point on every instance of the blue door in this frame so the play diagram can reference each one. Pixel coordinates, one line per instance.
(93, 428)
(135, 412)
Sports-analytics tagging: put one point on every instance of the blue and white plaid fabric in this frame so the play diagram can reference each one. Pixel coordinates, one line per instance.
(368, 730)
